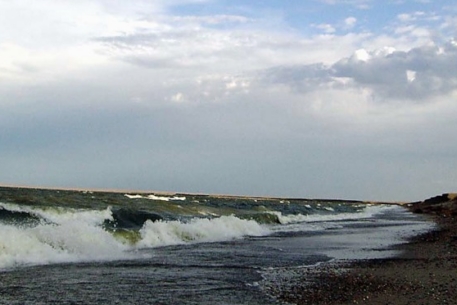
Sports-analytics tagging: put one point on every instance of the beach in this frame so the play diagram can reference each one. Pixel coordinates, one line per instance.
(424, 271)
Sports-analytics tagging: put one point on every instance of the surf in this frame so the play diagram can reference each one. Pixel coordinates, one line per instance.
(49, 226)
(60, 235)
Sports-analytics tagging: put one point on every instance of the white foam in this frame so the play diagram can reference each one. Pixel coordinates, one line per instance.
(64, 235)
(155, 197)
(59, 215)
(72, 235)
(70, 241)
(163, 198)
(367, 212)
(133, 196)
(164, 233)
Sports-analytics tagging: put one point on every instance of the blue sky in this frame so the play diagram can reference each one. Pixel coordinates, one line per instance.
(338, 99)
(373, 16)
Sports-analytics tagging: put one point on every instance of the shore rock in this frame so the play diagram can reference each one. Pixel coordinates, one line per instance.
(442, 205)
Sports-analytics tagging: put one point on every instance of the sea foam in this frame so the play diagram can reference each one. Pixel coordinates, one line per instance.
(155, 197)
(164, 233)
(367, 211)
(71, 235)
(69, 241)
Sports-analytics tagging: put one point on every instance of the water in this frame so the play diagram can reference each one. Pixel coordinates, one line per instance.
(77, 247)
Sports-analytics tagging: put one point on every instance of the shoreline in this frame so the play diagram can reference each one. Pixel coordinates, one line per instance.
(424, 272)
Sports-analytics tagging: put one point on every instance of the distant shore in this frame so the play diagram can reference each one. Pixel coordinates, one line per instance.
(81, 189)
(173, 193)
(424, 273)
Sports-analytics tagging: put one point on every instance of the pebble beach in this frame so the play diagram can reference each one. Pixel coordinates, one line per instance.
(424, 271)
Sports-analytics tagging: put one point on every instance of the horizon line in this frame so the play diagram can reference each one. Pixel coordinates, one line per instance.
(170, 193)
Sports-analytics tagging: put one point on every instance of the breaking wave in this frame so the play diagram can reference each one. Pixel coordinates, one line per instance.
(69, 235)
(164, 233)
(367, 212)
(44, 234)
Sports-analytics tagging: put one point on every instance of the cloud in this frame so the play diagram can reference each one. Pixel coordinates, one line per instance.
(387, 75)
(360, 4)
(303, 78)
(147, 94)
(406, 17)
(350, 22)
(214, 50)
(414, 75)
(325, 27)
(210, 19)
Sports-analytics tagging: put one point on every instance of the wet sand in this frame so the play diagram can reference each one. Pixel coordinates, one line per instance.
(425, 271)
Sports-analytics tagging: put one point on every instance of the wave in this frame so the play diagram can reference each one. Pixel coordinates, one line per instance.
(61, 235)
(364, 212)
(17, 217)
(130, 219)
(262, 217)
(33, 234)
(71, 241)
(165, 233)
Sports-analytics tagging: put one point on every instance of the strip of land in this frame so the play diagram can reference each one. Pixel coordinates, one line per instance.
(172, 193)
(424, 273)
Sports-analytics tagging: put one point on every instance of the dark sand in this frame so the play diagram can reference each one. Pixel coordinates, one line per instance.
(424, 273)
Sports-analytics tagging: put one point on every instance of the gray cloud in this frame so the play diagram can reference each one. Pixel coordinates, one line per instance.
(219, 147)
(174, 103)
(418, 74)
(431, 69)
(301, 78)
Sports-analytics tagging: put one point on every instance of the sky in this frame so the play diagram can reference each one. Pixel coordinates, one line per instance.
(350, 99)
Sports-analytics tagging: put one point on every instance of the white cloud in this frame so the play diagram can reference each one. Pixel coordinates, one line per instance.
(418, 16)
(350, 22)
(178, 98)
(360, 4)
(211, 20)
(410, 75)
(325, 27)
(362, 55)
(405, 17)
(450, 23)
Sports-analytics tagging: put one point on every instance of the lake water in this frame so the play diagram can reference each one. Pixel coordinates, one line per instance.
(82, 247)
